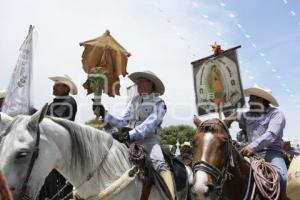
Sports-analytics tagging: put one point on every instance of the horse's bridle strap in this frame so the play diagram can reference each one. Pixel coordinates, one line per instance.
(206, 167)
(34, 156)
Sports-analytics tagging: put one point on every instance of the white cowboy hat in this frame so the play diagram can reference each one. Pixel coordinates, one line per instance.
(262, 92)
(3, 94)
(65, 79)
(159, 86)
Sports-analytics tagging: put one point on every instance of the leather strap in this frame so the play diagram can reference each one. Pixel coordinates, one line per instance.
(146, 191)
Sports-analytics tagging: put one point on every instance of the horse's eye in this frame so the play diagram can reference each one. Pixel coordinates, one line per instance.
(22, 154)
(223, 142)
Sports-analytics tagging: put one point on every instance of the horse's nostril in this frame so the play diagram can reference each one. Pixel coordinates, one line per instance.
(210, 187)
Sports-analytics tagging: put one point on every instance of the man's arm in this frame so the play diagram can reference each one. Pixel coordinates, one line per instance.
(150, 125)
(120, 121)
(275, 127)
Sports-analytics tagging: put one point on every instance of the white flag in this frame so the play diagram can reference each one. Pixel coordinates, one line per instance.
(17, 100)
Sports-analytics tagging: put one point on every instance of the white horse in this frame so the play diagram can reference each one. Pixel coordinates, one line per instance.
(76, 151)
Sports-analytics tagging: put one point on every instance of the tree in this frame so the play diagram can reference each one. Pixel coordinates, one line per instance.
(182, 133)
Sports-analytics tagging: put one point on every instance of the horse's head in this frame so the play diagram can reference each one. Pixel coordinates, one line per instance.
(19, 140)
(211, 159)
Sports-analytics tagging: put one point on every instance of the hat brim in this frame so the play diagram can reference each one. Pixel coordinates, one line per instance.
(159, 86)
(2, 95)
(68, 82)
(261, 93)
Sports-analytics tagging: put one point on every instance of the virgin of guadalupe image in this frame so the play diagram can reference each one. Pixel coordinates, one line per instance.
(216, 86)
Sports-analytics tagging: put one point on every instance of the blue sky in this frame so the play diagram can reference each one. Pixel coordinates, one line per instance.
(163, 36)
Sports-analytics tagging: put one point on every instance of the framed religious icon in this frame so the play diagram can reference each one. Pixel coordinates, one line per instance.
(217, 82)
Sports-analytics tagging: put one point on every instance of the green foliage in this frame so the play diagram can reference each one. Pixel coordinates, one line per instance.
(96, 123)
(170, 134)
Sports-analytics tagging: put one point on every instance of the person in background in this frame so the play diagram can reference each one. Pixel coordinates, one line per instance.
(2, 97)
(62, 106)
(187, 159)
(186, 148)
(289, 152)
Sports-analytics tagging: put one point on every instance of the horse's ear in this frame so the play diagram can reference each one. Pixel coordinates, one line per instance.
(5, 120)
(230, 118)
(37, 117)
(197, 121)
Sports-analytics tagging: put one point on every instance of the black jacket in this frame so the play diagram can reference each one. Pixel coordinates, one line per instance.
(63, 107)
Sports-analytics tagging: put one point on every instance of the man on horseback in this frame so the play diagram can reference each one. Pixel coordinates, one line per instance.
(63, 106)
(144, 116)
(264, 126)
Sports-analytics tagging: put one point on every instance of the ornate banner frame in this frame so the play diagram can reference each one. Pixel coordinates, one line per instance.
(217, 82)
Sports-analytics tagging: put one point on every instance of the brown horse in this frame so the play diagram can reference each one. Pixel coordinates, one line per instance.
(220, 172)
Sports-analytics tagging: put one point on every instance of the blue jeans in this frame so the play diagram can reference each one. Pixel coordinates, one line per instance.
(277, 159)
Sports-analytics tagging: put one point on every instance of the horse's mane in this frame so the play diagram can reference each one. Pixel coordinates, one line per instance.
(89, 145)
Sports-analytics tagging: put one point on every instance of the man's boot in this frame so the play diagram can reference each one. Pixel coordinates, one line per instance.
(167, 176)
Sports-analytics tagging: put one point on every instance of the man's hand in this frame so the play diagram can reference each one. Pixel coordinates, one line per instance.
(102, 111)
(246, 151)
(122, 136)
(99, 110)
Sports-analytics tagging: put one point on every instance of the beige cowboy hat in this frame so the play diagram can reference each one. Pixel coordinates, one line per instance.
(262, 92)
(159, 86)
(188, 144)
(3, 94)
(65, 79)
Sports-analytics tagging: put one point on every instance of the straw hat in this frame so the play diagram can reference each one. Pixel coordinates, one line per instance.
(159, 86)
(65, 79)
(3, 94)
(262, 92)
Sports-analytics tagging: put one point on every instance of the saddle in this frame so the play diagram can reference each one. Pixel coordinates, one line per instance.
(150, 176)
(177, 168)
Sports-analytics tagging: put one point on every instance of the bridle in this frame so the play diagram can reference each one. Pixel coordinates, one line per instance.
(35, 154)
(219, 175)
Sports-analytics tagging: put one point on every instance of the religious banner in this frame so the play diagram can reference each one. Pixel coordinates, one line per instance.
(17, 100)
(217, 82)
